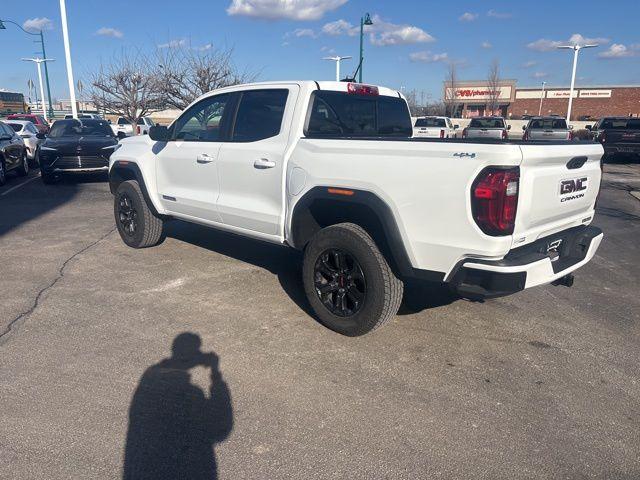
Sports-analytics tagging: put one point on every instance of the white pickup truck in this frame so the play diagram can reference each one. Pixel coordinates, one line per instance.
(330, 168)
(122, 128)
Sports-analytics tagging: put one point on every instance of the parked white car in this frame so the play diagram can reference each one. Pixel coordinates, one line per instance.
(330, 169)
(494, 128)
(122, 128)
(28, 132)
(92, 116)
(435, 127)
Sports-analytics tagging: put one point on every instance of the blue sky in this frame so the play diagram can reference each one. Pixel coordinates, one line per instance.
(408, 46)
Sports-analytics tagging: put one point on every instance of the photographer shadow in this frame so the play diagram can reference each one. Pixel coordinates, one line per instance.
(173, 424)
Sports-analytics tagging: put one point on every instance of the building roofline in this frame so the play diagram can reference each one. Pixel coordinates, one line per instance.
(566, 87)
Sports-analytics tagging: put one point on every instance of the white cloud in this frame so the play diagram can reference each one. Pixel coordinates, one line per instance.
(340, 27)
(540, 75)
(37, 24)
(204, 48)
(529, 64)
(468, 17)
(301, 32)
(284, 9)
(428, 57)
(110, 32)
(618, 50)
(177, 43)
(385, 33)
(498, 15)
(545, 45)
(486, 44)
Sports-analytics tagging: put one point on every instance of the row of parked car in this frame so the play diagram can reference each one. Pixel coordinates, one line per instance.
(618, 135)
(84, 145)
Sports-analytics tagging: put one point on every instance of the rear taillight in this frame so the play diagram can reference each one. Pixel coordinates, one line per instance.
(138, 129)
(504, 134)
(602, 137)
(441, 133)
(570, 135)
(494, 200)
(525, 137)
(464, 133)
(361, 89)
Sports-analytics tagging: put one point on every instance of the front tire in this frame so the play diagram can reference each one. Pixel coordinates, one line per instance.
(23, 170)
(137, 225)
(348, 282)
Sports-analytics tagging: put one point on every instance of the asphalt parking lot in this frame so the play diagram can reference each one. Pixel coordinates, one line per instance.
(544, 384)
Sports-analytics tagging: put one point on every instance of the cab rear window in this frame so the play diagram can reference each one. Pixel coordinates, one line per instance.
(548, 124)
(341, 114)
(430, 122)
(486, 123)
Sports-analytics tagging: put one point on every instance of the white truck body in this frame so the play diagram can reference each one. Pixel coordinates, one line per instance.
(123, 128)
(253, 188)
(434, 127)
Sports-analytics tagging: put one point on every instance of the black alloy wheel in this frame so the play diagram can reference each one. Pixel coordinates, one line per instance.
(339, 282)
(127, 215)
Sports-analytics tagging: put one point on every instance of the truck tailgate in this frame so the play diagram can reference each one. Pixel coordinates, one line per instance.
(559, 185)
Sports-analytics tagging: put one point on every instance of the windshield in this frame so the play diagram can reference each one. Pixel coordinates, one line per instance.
(84, 128)
(620, 123)
(487, 123)
(548, 124)
(430, 122)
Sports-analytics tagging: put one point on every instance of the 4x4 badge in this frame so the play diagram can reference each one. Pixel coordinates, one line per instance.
(464, 154)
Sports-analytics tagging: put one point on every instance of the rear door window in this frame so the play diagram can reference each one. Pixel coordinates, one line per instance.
(486, 123)
(259, 114)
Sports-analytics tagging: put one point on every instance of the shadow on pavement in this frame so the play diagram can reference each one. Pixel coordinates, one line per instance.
(173, 424)
(286, 264)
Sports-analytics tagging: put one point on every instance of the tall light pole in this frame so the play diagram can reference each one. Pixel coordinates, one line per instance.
(44, 56)
(366, 20)
(576, 49)
(67, 56)
(337, 59)
(38, 61)
(541, 98)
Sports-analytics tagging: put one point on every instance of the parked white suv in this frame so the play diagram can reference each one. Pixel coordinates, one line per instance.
(122, 127)
(435, 127)
(330, 169)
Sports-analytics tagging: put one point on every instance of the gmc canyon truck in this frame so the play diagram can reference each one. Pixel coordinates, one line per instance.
(330, 168)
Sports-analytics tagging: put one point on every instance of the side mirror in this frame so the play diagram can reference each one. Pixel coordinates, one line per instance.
(159, 133)
(524, 127)
(41, 136)
(455, 127)
(570, 127)
(508, 127)
(588, 127)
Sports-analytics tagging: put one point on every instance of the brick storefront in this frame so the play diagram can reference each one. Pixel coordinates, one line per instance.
(622, 101)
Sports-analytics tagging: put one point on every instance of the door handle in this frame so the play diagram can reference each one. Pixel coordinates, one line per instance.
(204, 158)
(263, 163)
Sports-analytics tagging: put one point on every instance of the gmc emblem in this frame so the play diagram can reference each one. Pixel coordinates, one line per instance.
(570, 186)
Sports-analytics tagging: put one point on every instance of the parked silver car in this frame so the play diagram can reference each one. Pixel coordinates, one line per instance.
(493, 128)
(547, 129)
(27, 131)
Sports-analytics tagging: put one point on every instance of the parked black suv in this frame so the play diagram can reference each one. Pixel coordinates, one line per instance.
(13, 153)
(618, 135)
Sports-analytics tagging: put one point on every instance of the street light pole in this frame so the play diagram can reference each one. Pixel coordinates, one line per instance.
(44, 57)
(576, 49)
(541, 98)
(38, 61)
(366, 20)
(337, 59)
(67, 56)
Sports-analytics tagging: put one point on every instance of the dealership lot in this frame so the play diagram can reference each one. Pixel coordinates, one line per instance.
(542, 384)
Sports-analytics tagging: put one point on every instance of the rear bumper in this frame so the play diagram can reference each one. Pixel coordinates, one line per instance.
(543, 261)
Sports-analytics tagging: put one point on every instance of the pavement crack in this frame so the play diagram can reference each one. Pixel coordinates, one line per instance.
(60, 274)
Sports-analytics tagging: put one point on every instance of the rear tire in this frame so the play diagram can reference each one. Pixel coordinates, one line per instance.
(358, 298)
(137, 225)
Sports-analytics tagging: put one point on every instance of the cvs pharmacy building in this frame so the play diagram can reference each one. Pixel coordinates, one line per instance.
(471, 99)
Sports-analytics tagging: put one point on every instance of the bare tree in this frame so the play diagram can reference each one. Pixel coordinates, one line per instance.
(185, 73)
(450, 88)
(493, 86)
(126, 86)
